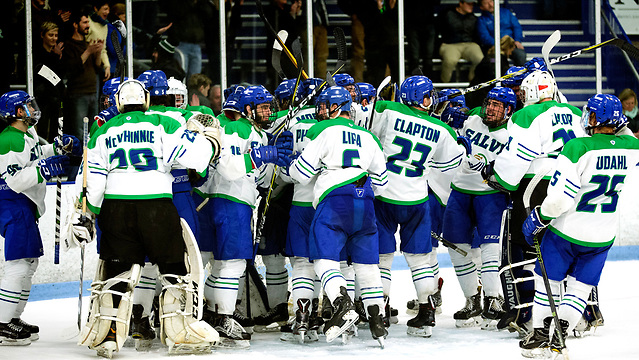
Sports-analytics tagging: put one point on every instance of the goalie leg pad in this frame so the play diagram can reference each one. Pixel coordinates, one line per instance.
(103, 312)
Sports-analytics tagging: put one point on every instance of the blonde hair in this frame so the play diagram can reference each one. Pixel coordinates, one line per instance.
(627, 94)
(47, 26)
(506, 43)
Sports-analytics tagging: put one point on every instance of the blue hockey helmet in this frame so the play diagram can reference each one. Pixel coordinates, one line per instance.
(308, 86)
(343, 79)
(415, 89)
(334, 95)
(515, 80)
(284, 91)
(607, 110)
(458, 100)
(232, 100)
(17, 99)
(253, 96)
(367, 91)
(494, 115)
(109, 89)
(155, 82)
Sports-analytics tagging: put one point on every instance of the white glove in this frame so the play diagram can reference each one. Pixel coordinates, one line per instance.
(208, 126)
(83, 228)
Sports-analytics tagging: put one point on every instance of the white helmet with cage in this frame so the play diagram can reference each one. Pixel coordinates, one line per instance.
(132, 92)
(178, 89)
(537, 86)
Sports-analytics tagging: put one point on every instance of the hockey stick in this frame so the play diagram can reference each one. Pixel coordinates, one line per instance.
(83, 218)
(276, 56)
(118, 52)
(269, 27)
(550, 43)
(58, 205)
(382, 85)
(542, 266)
(448, 244)
(340, 42)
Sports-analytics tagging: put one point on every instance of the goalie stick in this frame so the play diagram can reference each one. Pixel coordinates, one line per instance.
(260, 12)
(58, 205)
(85, 139)
(276, 56)
(542, 266)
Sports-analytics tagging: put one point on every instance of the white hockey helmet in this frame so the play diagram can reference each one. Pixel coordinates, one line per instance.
(177, 88)
(132, 92)
(537, 86)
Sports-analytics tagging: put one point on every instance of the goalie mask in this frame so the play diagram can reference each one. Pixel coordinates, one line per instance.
(498, 107)
(155, 82)
(178, 91)
(537, 86)
(417, 88)
(332, 102)
(132, 92)
(258, 105)
(18, 105)
(607, 110)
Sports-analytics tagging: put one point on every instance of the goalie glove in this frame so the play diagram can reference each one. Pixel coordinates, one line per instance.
(83, 228)
(208, 126)
(533, 225)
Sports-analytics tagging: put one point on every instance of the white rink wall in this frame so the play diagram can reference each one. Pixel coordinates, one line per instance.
(69, 267)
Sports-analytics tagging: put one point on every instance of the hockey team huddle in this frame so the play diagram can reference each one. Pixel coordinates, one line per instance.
(168, 190)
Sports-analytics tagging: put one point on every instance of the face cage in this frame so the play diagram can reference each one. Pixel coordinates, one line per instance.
(180, 101)
(320, 111)
(258, 117)
(33, 115)
(105, 102)
(503, 113)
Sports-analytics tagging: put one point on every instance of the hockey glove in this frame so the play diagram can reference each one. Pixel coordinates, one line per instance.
(53, 166)
(83, 227)
(269, 154)
(68, 145)
(285, 140)
(533, 225)
(536, 63)
(455, 116)
(465, 142)
(195, 179)
(488, 174)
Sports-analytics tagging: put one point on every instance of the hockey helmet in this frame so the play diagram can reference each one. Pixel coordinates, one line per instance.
(132, 92)
(498, 107)
(608, 111)
(516, 79)
(537, 86)
(17, 99)
(155, 82)
(415, 89)
(367, 91)
(334, 95)
(179, 91)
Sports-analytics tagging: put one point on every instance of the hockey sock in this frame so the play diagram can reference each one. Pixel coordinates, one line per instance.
(303, 282)
(465, 270)
(27, 280)
(209, 284)
(490, 269)
(385, 263)
(225, 288)
(332, 278)
(349, 276)
(541, 305)
(276, 279)
(422, 273)
(145, 289)
(573, 304)
(434, 263)
(371, 283)
(11, 287)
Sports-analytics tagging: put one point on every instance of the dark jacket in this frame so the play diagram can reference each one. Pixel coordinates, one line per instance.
(458, 28)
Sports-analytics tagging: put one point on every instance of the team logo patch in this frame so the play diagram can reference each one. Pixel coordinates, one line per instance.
(359, 193)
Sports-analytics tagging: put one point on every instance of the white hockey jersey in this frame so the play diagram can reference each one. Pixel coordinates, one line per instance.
(584, 190)
(19, 174)
(413, 142)
(130, 157)
(339, 153)
(487, 143)
(537, 133)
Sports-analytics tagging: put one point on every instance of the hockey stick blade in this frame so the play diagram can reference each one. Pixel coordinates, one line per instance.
(549, 44)
(329, 79)
(119, 71)
(340, 42)
(276, 56)
(382, 85)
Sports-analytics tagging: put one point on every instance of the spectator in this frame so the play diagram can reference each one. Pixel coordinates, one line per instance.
(629, 102)
(80, 61)
(117, 21)
(188, 31)
(508, 25)
(459, 36)
(199, 86)
(48, 87)
(162, 59)
(215, 97)
(98, 31)
(420, 35)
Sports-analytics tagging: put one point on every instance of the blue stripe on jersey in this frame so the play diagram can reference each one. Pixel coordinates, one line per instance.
(521, 157)
(527, 149)
(576, 186)
(571, 196)
(309, 165)
(301, 171)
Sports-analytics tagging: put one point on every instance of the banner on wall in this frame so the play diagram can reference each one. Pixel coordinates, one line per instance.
(627, 11)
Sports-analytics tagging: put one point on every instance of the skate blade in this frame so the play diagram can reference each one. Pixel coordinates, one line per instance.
(537, 353)
(143, 345)
(274, 326)
(468, 323)
(129, 342)
(335, 331)
(381, 342)
(488, 324)
(424, 331)
(300, 337)
(226, 343)
(189, 349)
(14, 342)
(438, 310)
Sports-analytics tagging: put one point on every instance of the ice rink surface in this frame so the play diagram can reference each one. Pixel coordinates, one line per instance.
(617, 339)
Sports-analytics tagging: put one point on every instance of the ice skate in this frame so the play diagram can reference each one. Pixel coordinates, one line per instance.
(376, 325)
(327, 308)
(359, 307)
(232, 334)
(13, 335)
(538, 345)
(470, 314)
(247, 323)
(109, 345)
(493, 312)
(390, 314)
(422, 325)
(344, 316)
(273, 319)
(299, 327)
(141, 330)
(437, 296)
(315, 322)
(34, 329)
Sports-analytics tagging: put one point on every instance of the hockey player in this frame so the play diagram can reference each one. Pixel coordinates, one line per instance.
(129, 189)
(284, 93)
(108, 109)
(514, 83)
(25, 168)
(473, 203)
(350, 170)
(537, 133)
(231, 110)
(367, 93)
(347, 82)
(580, 211)
(240, 170)
(412, 140)
(177, 90)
